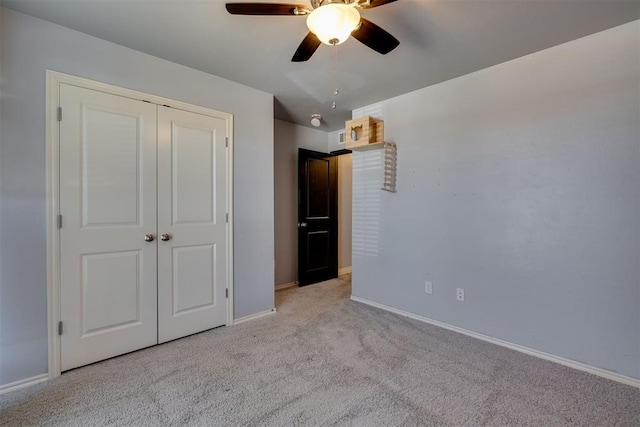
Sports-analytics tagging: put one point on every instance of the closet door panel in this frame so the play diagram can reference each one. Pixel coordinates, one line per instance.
(107, 190)
(192, 200)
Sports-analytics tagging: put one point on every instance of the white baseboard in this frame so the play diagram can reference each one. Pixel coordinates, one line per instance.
(284, 286)
(254, 316)
(634, 382)
(7, 388)
(344, 270)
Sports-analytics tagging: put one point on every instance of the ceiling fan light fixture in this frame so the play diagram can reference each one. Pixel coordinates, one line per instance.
(333, 22)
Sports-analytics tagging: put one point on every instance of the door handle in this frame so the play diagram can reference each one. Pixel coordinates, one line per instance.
(148, 237)
(165, 236)
(302, 224)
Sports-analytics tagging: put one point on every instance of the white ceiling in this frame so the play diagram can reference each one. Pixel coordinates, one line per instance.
(439, 40)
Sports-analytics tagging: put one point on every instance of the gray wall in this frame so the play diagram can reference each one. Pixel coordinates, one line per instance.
(288, 137)
(520, 184)
(29, 46)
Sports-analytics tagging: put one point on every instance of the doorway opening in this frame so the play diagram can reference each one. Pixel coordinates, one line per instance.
(289, 138)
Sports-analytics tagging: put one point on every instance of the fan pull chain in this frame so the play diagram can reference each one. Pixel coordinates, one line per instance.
(335, 75)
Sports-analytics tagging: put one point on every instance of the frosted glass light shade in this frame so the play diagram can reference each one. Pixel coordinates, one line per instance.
(333, 21)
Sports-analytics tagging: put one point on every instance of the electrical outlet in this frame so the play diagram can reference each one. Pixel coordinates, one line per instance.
(460, 294)
(428, 288)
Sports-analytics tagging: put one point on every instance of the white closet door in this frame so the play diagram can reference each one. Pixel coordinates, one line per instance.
(192, 200)
(108, 273)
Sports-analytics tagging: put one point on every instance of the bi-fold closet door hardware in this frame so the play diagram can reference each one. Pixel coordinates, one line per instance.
(149, 237)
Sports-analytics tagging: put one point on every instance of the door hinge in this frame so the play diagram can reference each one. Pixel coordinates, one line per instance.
(226, 292)
(226, 217)
(226, 141)
(60, 327)
(59, 114)
(59, 221)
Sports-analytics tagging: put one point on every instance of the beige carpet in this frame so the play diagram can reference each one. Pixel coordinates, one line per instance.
(324, 360)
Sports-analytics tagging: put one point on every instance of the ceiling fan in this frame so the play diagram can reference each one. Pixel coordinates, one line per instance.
(330, 22)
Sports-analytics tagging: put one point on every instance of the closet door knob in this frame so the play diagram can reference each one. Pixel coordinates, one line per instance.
(148, 237)
(164, 237)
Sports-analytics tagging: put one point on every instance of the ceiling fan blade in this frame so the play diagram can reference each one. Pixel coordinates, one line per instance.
(376, 3)
(307, 48)
(375, 37)
(264, 8)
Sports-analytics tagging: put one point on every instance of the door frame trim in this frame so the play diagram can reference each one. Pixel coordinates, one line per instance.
(52, 139)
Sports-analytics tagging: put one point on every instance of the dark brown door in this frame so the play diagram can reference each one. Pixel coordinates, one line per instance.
(317, 217)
